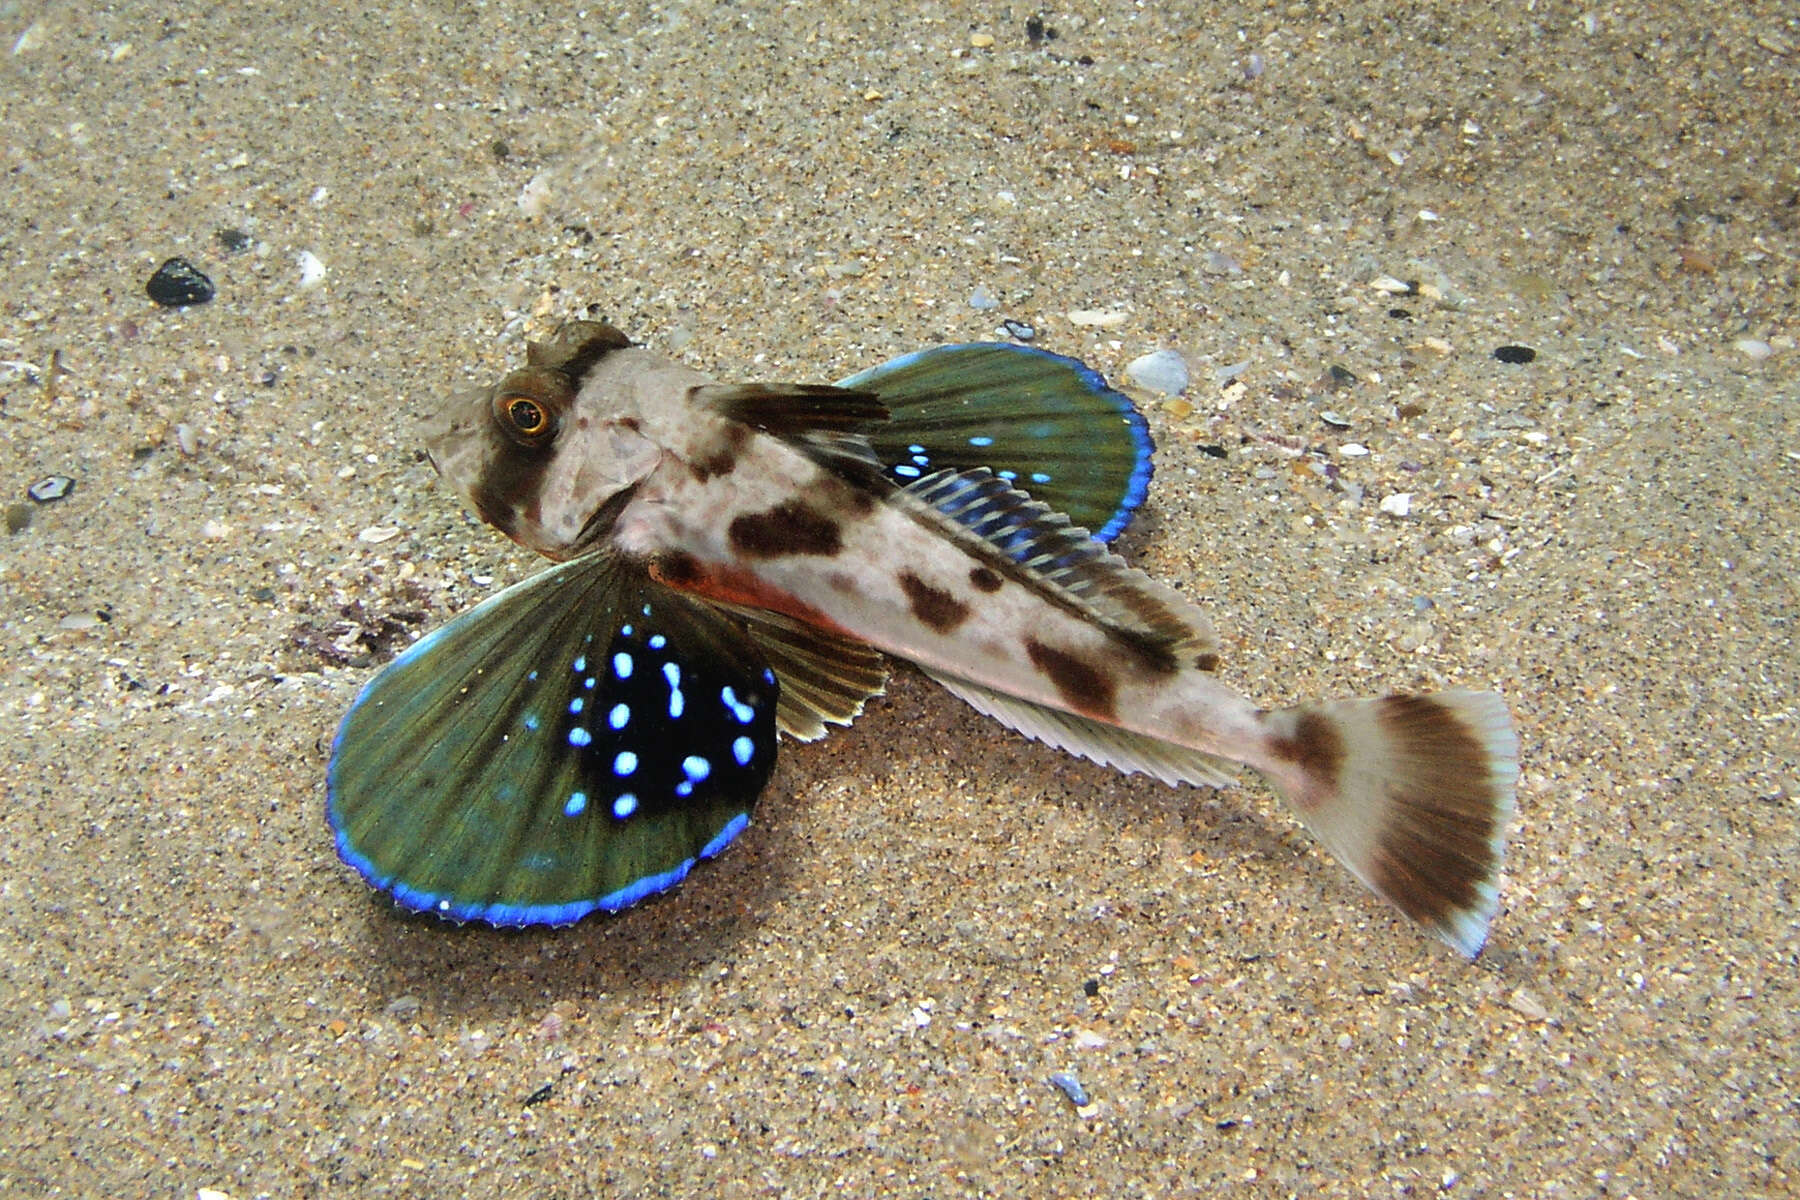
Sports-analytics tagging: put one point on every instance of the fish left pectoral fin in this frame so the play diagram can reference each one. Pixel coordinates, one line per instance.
(577, 742)
(825, 679)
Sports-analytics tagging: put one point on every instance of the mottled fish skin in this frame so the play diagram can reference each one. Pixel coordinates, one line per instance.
(644, 456)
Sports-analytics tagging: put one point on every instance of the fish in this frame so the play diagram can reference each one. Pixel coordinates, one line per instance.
(734, 563)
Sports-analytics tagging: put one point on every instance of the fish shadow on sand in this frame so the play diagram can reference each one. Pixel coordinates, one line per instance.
(480, 972)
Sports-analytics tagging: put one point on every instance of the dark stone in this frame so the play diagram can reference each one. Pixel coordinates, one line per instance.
(179, 283)
(1515, 354)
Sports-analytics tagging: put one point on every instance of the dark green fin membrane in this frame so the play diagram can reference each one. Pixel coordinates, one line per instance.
(576, 742)
(1046, 424)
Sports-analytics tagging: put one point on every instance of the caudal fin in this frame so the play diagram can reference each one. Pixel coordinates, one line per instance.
(1412, 793)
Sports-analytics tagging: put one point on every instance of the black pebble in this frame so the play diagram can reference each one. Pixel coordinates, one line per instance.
(1515, 354)
(178, 283)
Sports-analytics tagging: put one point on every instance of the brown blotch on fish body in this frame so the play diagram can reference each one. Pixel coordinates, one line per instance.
(790, 528)
(1088, 689)
(935, 608)
(721, 459)
(678, 569)
(1316, 747)
(985, 580)
(1438, 843)
(1207, 661)
(509, 488)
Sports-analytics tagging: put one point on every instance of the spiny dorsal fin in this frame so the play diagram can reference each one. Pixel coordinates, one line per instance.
(792, 409)
(1022, 540)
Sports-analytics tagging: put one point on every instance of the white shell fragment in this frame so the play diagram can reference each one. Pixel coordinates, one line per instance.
(51, 487)
(1096, 318)
(1162, 371)
(1397, 505)
(312, 270)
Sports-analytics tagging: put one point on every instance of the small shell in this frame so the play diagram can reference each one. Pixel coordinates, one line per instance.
(51, 487)
(1096, 318)
(312, 270)
(1162, 371)
(179, 283)
(1068, 1085)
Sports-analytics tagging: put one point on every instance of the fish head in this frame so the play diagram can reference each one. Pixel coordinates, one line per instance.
(539, 456)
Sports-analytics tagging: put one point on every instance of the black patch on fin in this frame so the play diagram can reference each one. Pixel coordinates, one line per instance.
(1020, 539)
(792, 409)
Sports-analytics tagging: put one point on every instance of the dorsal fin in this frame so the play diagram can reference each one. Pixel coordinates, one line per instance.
(825, 422)
(1022, 540)
(792, 409)
(575, 346)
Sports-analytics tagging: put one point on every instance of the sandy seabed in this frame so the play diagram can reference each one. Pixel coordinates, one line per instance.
(1336, 214)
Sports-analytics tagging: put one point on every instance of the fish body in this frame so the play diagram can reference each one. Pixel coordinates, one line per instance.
(800, 529)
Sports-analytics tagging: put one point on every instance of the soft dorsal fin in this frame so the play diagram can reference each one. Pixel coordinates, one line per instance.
(1023, 540)
(792, 409)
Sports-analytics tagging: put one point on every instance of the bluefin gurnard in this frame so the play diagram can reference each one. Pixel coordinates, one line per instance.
(735, 561)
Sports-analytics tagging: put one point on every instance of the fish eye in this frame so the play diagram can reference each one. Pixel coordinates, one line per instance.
(527, 416)
(528, 405)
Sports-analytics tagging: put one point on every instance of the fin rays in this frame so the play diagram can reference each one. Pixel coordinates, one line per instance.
(1040, 549)
(1413, 794)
